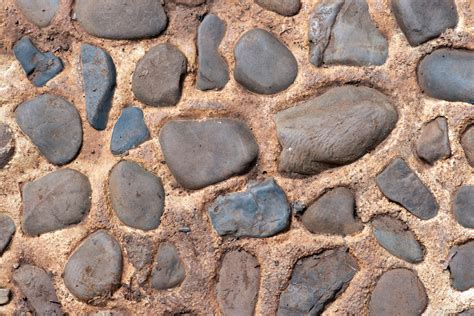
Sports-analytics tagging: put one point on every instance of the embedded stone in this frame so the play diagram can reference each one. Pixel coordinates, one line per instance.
(396, 237)
(168, 271)
(334, 129)
(39, 67)
(464, 206)
(461, 268)
(53, 125)
(433, 143)
(448, 74)
(55, 201)
(139, 250)
(316, 281)
(94, 270)
(7, 230)
(129, 132)
(36, 285)
(261, 211)
(467, 143)
(213, 72)
(4, 296)
(256, 66)
(201, 153)
(422, 20)
(333, 213)
(38, 12)
(401, 185)
(282, 7)
(398, 292)
(137, 195)
(7, 146)
(121, 19)
(469, 312)
(190, 3)
(239, 282)
(99, 74)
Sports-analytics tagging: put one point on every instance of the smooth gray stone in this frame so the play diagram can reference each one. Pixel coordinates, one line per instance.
(401, 185)
(397, 238)
(263, 64)
(433, 143)
(121, 19)
(334, 129)
(157, 78)
(316, 281)
(139, 250)
(58, 200)
(448, 74)
(213, 72)
(461, 267)
(168, 271)
(7, 146)
(4, 296)
(467, 143)
(261, 211)
(37, 286)
(398, 292)
(94, 270)
(137, 195)
(201, 153)
(422, 20)
(129, 132)
(190, 3)
(7, 230)
(282, 7)
(99, 74)
(53, 125)
(464, 206)
(38, 12)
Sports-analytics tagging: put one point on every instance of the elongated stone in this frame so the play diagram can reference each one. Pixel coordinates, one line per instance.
(464, 206)
(433, 143)
(467, 143)
(38, 12)
(282, 7)
(7, 146)
(168, 271)
(7, 230)
(129, 131)
(461, 267)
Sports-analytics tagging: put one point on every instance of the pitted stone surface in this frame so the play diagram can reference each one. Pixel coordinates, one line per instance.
(467, 143)
(401, 185)
(261, 211)
(168, 271)
(7, 230)
(461, 267)
(238, 285)
(139, 250)
(334, 129)
(464, 206)
(201, 153)
(433, 142)
(316, 281)
(129, 131)
(256, 68)
(7, 146)
(121, 19)
(333, 213)
(137, 195)
(38, 12)
(283, 7)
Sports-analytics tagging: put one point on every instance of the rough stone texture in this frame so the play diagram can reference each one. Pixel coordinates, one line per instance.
(121, 19)
(139, 250)
(129, 132)
(448, 74)
(157, 78)
(433, 142)
(333, 213)
(4, 296)
(422, 20)
(256, 68)
(467, 143)
(38, 12)
(137, 195)
(94, 269)
(261, 211)
(168, 271)
(463, 206)
(283, 7)
(461, 267)
(201, 153)
(334, 129)
(7, 230)
(401, 185)
(398, 292)
(7, 146)
(238, 284)
(316, 281)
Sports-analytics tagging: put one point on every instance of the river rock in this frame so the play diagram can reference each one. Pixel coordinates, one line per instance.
(467, 143)
(129, 131)
(168, 271)
(433, 143)
(282, 7)
(38, 12)
(7, 230)
(461, 267)
(464, 206)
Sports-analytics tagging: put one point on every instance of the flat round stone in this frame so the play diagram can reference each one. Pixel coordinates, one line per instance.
(433, 143)
(256, 66)
(7, 146)
(464, 206)
(129, 131)
(467, 143)
(7, 230)
(282, 7)
(38, 12)
(168, 271)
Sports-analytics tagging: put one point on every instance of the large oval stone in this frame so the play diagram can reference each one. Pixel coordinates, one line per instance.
(7, 229)
(168, 271)
(334, 129)
(38, 12)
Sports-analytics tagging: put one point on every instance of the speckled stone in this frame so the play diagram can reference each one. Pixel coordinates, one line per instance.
(467, 143)
(129, 132)
(282, 7)
(38, 12)
(464, 206)
(7, 230)
(139, 250)
(168, 271)
(7, 146)
(433, 143)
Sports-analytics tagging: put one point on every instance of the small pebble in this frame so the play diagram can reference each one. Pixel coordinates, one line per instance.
(4, 296)
(7, 146)
(433, 143)
(467, 143)
(282, 7)
(168, 271)
(129, 132)
(7, 230)
(464, 206)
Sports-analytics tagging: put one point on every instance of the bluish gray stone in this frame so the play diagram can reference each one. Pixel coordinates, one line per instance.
(461, 267)
(261, 211)
(7, 230)
(39, 67)
(99, 74)
(129, 131)
(7, 146)
(464, 206)
(38, 12)
(168, 271)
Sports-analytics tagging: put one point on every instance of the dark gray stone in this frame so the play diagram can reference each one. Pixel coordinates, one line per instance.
(7, 230)
(263, 64)
(464, 206)
(99, 74)
(398, 292)
(316, 281)
(158, 75)
(334, 129)
(333, 213)
(39, 67)
(448, 74)
(467, 143)
(55, 201)
(139, 250)
(201, 153)
(238, 285)
(401, 185)
(37, 287)
(7, 146)
(94, 270)
(190, 3)
(422, 20)
(129, 132)
(433, 142)
(261, 211)
(137, 196)
(53, 125)
(461, 267)
(168, 271)
(282, 7)
(213, 72)
(4, 296)
(397, 238)
(121, 19)
(38, 12)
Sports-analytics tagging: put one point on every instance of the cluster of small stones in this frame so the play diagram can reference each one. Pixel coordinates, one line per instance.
(333, 129)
